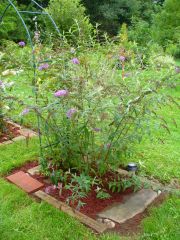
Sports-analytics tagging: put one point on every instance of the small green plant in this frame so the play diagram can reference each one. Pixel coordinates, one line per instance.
(119, 184)
(103, 195)
(79, 187)
(115, 185)
(136, 183)
(58, 177)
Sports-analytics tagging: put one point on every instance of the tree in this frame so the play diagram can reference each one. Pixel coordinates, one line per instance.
(112, 13)
(70, 15)
(166, 25)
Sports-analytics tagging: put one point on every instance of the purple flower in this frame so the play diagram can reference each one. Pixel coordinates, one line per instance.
(75, 61)
(70, 112)
(122, 58)
(49, 189)
(25, 111)
(61, 93)
(97, 129)
(43, 66)
(22, 44)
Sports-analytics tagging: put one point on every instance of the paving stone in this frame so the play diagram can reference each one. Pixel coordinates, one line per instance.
(24, 181)
(135, 204)
(19, 138)
(97, 226)
(109, 223)
(34, 170)
(123, 172)
(27, 132)
(14, 124)
(6, 143)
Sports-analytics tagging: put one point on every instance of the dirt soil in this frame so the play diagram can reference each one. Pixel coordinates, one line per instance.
(9, 133)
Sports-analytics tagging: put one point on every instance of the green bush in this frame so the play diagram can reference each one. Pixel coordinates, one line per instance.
(92, 112)
(9, 27)
(166, 27)
(71, 19)
(139, 31)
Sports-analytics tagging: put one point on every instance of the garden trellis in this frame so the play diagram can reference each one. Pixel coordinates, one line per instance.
(40, 11)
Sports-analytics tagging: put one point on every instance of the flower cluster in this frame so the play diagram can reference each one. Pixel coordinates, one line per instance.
(22, 44)
(75, 61)
(71, 112)
(61, 93)
(122, 58)
(25, 111)
(43, 66)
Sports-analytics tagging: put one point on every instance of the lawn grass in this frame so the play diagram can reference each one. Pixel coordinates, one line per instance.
(159, 155)
(14, 155)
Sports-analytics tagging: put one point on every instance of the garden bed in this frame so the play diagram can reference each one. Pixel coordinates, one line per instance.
(92, 204)
(11, 131)
(88, 214)
(14, 132)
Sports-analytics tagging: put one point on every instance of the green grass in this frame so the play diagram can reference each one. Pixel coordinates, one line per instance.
(161, 158)
(163, 222)
(14, 155)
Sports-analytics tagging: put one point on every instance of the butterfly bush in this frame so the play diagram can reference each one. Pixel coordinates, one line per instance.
(92, 114)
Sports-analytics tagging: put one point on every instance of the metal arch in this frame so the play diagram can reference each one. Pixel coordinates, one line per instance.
(30, 12)
(5, 10)
(34, 83)
(53, 22)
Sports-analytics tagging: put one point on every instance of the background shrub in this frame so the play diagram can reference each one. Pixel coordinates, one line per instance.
(71, 19)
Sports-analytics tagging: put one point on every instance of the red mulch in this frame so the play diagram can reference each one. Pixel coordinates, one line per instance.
(94, 205)
(10, 132)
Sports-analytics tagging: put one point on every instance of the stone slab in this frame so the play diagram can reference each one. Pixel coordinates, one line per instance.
(18, 138)
(14, 124)
(6, 142)
(34, 170)
(97, 226)
(24, 181)
(27, 132)
(135, 204)
(123, 172)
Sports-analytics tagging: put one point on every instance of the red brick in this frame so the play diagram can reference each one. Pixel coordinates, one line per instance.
(24, 181)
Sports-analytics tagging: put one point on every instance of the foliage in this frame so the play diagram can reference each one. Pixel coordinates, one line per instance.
(140, 31)
(111, 14)
(103, 195)
(166, 27)
(15, 57)
(71, 19)
(10, 24)
(79, 186)
(5, 104)
(91, 124)
(118, 185)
